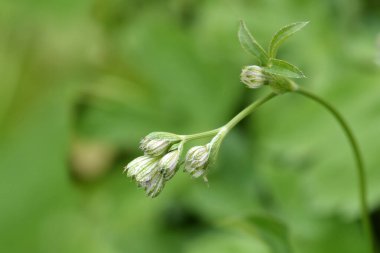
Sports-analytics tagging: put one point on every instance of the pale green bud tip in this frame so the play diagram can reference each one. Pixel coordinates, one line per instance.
(196, 160)
(253, 76)
(158, 143)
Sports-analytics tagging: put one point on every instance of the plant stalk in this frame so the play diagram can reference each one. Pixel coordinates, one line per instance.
(248, 110)
(348, 132)
(358, 159)
(200, 135)
(235, 120)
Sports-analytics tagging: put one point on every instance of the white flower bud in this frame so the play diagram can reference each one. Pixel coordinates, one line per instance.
(196, 160)
(168, 164)
(142, 168)
(154, 147)
(146, 172)
(154, 186)
(199, 158)
(253, 76)
(158, 143)
(136, 165)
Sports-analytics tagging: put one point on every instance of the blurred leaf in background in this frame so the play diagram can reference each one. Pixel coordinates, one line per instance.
(83, 81)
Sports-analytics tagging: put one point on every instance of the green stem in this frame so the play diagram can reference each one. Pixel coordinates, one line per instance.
(249, 109)
(235, 120)
(355, 147)
(359, 163)
(200, 135)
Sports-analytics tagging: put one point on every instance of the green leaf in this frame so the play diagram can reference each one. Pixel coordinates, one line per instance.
(268, 229)
(283, 68)
(282, 35)
(273, 232)
(226, 242)
(250, 45)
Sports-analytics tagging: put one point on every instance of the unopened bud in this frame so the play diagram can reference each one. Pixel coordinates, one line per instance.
(253, 76)
(158, 143)
(154, 186)
(142, 168)
(169, 162)
(196, 160)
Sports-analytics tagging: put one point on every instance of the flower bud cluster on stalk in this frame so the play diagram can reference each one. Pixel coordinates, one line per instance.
(161, 160)
(162, 151)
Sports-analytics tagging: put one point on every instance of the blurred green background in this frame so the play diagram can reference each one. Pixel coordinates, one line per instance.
(81, 81)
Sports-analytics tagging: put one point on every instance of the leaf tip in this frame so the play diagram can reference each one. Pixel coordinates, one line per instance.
(302, 75)
(304, 23)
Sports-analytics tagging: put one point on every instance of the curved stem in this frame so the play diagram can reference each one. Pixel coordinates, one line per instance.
(248, 110)
(244, 113)
(359, 162)
(355, 147)
(200, 135)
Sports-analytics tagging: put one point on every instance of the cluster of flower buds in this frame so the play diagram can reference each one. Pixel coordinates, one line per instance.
(158, 164)
(161, 160)
(162, 151)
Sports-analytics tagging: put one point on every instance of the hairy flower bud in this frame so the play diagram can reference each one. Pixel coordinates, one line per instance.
(169, 162)
(199, 158)
(158, 143)
(154, 186)
(142, 168)
(145, 171)
(253, 76)
(196, 160)
(154, 147)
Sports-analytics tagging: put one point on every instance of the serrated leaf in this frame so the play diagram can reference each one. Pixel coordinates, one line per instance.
(282, 35)
(283, 68)
(250, 45)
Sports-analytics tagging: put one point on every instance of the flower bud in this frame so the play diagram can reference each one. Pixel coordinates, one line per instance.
(196, 160)
(169, 163)
(145, 171)
(142, 168)
(154, 186)
(253, 76)
(199, 158)
(158, 143)
(136, 165)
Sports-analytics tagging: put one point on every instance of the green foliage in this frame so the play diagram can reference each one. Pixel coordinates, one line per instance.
(249, 44)
(273, 232)
(282, 35)
(75, 74)
(270, 64)
(266, 228)
(227, 242)
(283, 68)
